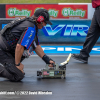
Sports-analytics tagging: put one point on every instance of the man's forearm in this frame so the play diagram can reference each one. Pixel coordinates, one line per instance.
(18, 53)
(39, 51)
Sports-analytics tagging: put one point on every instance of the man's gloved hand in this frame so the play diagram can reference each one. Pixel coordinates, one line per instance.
(51, 63)
(48, 60)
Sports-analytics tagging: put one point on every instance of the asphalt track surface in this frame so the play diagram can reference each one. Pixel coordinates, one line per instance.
(82, 81)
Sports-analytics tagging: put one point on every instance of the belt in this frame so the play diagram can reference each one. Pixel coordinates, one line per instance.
(97, 8)
(3, 43)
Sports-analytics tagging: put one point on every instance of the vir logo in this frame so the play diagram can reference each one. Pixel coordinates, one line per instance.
(66, 30)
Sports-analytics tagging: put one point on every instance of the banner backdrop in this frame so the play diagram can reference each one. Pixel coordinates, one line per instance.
(70, 11)
(62, 31)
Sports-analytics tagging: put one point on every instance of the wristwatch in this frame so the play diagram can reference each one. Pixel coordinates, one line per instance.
(17, 64)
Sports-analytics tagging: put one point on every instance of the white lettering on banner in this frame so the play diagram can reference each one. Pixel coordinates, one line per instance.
(48, 48)
(60, 49)
(70, 49)
(70, 12)
(16, 12)
(53, 12)
(96, 49)
(66, 48)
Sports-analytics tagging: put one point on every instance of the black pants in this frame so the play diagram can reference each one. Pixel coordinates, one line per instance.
(92, 35)
(10, 71)
(7, 59)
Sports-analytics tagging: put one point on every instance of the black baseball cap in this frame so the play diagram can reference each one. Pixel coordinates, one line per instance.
(44, 13)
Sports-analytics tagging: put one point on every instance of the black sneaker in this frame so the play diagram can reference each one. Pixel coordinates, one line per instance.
(80, 58)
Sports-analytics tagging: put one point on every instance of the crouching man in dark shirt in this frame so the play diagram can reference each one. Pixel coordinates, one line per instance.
(17, 37)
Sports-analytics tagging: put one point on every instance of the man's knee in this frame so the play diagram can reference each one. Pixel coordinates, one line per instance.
(12, 69)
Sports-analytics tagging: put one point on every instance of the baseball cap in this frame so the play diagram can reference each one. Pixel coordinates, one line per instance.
(44, 13)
